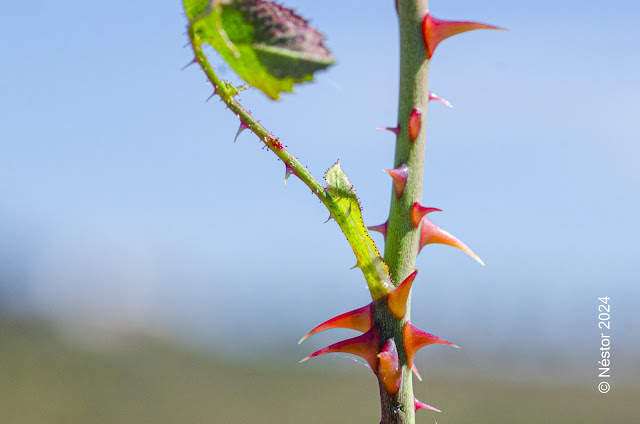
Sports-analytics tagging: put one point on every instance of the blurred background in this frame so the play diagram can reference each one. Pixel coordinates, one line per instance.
(151, 270)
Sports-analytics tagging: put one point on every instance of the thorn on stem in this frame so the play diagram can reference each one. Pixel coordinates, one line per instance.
(366, 346)
(360, 319)
(431, 233)
(435, 30)
(287, 173)
(243, 127)
(420, 405)
(395, 130)
(415, 339)
(435, 97)
(399, 176)
(397, 299)
(211, 96)
(194, 60)
(382, 228)
(418, 211)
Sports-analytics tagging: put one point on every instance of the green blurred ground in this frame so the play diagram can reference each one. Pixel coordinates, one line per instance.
(44, 380)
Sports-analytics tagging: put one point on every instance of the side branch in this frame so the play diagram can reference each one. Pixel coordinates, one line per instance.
(368, 258)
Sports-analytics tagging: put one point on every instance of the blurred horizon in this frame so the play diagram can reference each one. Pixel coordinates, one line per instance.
(145, 379)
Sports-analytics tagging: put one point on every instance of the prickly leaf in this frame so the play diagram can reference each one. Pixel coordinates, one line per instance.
(268, 45)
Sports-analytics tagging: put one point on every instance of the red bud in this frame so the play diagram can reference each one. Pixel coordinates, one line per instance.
(389, 369)
(415, 124)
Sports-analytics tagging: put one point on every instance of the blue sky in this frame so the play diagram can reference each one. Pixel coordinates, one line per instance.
(122, 190)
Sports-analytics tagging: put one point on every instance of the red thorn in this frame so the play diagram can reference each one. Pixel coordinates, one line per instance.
(419, 405)
(366, 346)
(435, 97)
(415, 339)
(399, 176)
(194, 60)
(418, 211)
(431, 233)
(397, 299)
(415, 371)
(389, 370)
(360, 319)
(395, 130)
(415, 124)
(243, 127)
(382, 228)
(435, 30)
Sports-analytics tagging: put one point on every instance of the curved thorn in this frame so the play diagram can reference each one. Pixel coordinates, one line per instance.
(418, 212)
(366, 346)
(431, 233)
(435, 30)
(211, 96)
(331, 216)
(415, 339)
(397, 299)
(360, 319)
(435, 97)
(287, 173)
(243, 127)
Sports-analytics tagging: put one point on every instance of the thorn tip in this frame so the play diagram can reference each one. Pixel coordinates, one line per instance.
(431, 233)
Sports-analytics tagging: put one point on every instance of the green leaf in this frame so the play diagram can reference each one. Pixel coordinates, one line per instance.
(268, 45)
(349, 218)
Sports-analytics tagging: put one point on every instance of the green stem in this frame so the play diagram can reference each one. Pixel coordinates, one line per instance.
(401, 243)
